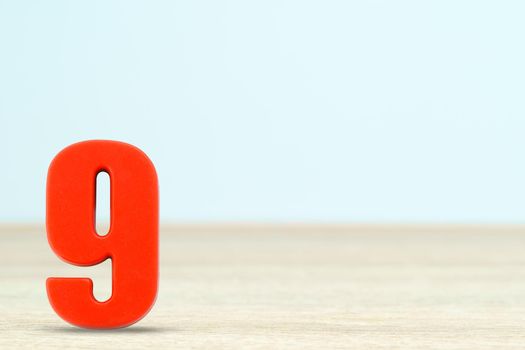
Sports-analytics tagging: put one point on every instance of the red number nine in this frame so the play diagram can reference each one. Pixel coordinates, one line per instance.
(132, 241)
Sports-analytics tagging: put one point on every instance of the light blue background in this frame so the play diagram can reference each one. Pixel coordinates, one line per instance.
(311, 111)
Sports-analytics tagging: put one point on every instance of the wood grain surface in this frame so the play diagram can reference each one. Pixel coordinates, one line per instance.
(291, 287)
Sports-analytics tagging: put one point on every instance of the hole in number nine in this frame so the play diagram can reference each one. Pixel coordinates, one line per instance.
(102, 204)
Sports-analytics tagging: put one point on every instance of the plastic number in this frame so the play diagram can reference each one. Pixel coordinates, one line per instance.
(132, 241)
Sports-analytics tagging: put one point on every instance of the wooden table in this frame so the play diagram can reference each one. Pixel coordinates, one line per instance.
(291, 287)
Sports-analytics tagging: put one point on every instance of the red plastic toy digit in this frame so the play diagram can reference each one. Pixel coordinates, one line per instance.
(132, 241)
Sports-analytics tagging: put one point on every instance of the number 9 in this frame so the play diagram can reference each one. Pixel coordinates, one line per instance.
(132, 241)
